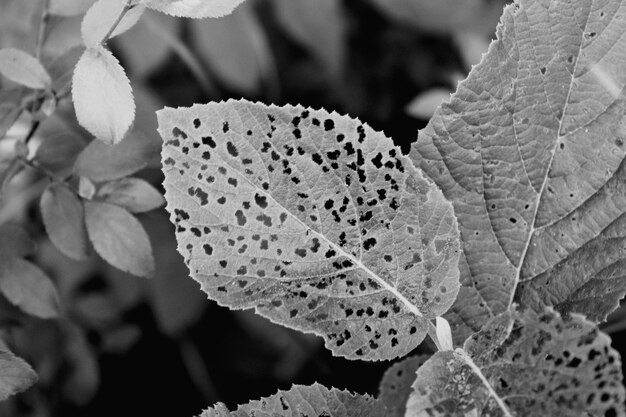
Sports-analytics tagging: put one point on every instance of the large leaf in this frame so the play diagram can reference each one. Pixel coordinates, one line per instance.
(313, 219)
(530, 151)
(530, 365)
(306, 401)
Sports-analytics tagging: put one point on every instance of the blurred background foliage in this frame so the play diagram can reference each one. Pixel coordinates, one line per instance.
(124, 345)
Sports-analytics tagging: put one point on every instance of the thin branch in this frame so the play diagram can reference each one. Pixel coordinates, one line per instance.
(43, 23)
(117, 21)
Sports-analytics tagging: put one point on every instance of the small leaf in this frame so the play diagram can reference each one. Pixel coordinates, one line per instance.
(306, 401)
(423, 106)
(57, 153)
(530, 365)
(102, 15)
(313, 219)
(101, 162)
(102, 95)
(395, 386)
(11, 107)
(86, 188)
(24, 69)
(133, 194)
(69, 7)
(64, 219)
(15, 374)
(15, 241)
(194, 8)
(444, 334)
(119, 238)
(27, 287)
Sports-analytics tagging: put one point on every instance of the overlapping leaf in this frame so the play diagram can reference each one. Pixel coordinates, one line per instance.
(532, 364)
(313, 219)
(530, 150)
(396, 384)
(306, 401)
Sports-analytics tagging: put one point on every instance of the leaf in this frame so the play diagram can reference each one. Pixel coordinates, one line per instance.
(101, 17)
(320, 26)
(27, 287)
(101, 162)
(395, 386)
(15, 374)
(102, 95)
(215, 41)
(10, 107)
(15, 241)
(119, 238)
(424, 105)
(530, 151)
(536, 365)
(313, 219)
(445, 16)
(133, 194)
(64, 219)
(306, 401)
(197, 9)
(61, 69)
(58, 153)
(69, 7)
(24, 69)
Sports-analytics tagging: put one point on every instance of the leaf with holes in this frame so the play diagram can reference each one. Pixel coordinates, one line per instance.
(530, 150)
(530, 365)
(306, 401)
(313, 219)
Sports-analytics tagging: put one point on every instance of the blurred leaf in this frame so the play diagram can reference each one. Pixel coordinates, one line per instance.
(318, 25)
(471, 47)
(119, 238)
(15, 241)
(11, 107)
(100, 18)
(423, 106)
(64, 219)
(133, 194)
(69, 7)
(306, 401)
(28, 287)
(234, 48)
(15, 374)
(62, 67)
(102, 95)
(445, 16)
(24, 69)
(101, 162)
(59, 152)
(86, 188)
(82, 380)
(395, 386)
(193, 8)
(17, 19)
(144, 49)
(176, 300)
(120, 339)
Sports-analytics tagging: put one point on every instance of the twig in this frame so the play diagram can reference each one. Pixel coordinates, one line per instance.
(117, 21)
(41, 36)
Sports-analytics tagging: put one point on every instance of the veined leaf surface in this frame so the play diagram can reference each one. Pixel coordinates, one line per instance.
(532, 365)
(530, 150)
(313, 219)
(306, 401)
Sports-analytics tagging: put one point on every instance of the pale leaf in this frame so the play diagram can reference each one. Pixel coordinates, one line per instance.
(531, 365)
(69, 7)
(102, 96)
(306, 401)
(133, 194)
(119, 238)
(15, 374)
(530, 150)
(101, 162)
(24, 69)
(64, 218)
(313, 219)
(27, 287)
(196, 9)
(100, 18)
(395, 386)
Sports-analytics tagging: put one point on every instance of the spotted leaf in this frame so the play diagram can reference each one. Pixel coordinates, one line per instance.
(530, 150)
(524, 364)
(305, 401)
(313, 219)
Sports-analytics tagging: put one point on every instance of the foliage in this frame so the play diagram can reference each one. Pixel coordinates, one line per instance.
(499, 233)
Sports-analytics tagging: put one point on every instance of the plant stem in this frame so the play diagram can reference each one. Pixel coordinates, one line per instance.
(41, 36)
(117, 21)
